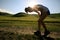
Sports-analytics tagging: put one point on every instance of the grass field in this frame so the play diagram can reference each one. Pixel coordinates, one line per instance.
(22, 28)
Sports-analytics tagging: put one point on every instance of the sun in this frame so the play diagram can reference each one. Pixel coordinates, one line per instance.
(31, 3)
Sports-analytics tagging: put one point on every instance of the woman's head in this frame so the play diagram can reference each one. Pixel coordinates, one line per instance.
(28, 9)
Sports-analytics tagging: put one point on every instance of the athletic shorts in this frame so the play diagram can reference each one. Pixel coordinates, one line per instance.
(44, 15)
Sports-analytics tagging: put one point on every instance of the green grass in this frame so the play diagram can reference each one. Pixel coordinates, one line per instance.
(29, 21)
(28, 24)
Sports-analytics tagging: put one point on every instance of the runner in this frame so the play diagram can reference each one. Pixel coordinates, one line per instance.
(43, 12)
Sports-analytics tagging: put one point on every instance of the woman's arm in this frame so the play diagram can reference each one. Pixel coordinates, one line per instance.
(39, 13)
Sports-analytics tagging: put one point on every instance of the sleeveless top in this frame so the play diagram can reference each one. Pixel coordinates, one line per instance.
(42, 9)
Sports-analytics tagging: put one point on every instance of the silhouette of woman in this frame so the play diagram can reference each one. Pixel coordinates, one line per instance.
(43, 12)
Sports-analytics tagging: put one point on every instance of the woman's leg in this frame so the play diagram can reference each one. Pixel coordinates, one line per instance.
(38, 32)
(39, 24)
(46, 31)
(44, 26)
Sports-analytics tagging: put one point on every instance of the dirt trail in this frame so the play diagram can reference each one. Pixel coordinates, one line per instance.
(28, 31)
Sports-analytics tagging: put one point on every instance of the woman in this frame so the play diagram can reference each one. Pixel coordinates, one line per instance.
(43, 12)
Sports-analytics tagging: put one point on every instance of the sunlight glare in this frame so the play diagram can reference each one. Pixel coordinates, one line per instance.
(31, 3)
(32, 13)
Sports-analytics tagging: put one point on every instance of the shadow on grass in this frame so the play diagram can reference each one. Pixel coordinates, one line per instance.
(4, 35)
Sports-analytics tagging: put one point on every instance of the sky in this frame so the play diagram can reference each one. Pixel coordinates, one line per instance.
(16, 6)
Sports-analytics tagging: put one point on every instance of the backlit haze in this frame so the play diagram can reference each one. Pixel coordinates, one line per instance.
(15, 6)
